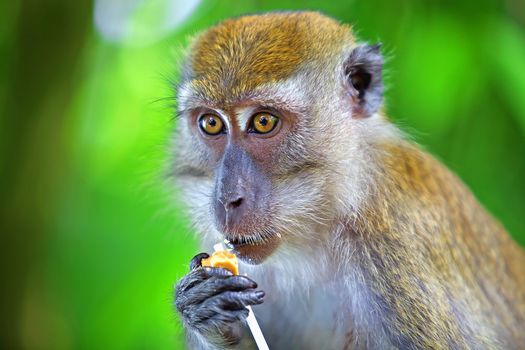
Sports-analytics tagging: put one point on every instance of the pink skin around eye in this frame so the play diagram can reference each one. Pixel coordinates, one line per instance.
(263, 147)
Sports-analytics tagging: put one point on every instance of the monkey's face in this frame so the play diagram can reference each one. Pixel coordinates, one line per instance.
(245, 147)
(265, 106)
(251, 175)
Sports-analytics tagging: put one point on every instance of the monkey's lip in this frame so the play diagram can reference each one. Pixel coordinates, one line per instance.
(252, 249)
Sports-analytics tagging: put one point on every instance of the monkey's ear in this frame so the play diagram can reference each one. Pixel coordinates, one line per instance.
(363, 70)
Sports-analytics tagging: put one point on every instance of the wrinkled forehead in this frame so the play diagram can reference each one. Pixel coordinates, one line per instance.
(229, 61)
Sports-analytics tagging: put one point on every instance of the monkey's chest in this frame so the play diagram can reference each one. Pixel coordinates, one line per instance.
(303, 321)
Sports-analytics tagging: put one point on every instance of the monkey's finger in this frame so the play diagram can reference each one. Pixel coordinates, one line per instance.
(234, 300)
(233, 283)
(214, 286)
(191, 279)
(200, 274)
(223, 304)
(205, 318)
(197, 276)
(227, 307)
(217, 272)
(196, 260)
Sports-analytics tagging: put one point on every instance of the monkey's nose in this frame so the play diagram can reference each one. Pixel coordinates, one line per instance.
(236, 203)
(230, 212)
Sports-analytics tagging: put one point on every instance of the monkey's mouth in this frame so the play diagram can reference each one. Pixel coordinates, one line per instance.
(253, 249)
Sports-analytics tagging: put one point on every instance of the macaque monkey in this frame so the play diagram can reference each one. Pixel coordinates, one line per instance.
(350, 235)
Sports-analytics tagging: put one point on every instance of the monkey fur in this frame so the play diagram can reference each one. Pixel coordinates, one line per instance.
(358, 238)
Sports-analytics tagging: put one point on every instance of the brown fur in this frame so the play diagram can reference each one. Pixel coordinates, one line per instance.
(423, 236)
(231, 59)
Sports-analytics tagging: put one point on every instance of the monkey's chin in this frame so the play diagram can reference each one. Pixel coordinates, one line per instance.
(255, 253)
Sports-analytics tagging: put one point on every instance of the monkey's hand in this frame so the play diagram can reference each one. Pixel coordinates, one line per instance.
(212, 304)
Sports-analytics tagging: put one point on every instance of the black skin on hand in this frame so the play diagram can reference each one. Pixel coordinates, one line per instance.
(212, 301)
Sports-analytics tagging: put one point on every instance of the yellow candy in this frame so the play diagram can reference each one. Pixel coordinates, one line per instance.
(223, 259)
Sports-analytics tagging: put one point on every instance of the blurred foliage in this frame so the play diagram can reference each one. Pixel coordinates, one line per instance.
(93, 241)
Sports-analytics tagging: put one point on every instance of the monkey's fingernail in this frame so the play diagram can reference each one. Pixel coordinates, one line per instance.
(260, 294)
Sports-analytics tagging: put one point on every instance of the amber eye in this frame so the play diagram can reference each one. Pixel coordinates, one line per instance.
(263, 123)
(211, 124)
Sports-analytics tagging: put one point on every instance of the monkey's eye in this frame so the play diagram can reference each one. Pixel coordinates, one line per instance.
(211, 124)
(263, 123)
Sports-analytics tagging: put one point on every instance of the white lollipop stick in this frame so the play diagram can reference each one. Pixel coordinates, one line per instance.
(251, 320)
(256, 330)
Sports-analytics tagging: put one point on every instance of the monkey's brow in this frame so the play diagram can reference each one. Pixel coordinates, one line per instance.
(277, 96)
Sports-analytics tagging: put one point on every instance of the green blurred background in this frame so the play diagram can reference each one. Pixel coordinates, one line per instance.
(92, 236)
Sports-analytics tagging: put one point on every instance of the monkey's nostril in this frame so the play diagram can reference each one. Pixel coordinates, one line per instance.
(235, 204)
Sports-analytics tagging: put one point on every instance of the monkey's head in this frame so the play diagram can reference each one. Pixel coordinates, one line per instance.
(273, 109)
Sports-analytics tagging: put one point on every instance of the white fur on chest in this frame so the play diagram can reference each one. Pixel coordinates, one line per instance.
(303, 320)
(304, 307)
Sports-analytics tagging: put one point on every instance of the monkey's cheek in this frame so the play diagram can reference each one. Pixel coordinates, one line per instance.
(254, 254)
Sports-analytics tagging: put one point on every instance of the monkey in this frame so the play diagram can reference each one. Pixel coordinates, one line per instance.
(350, 234)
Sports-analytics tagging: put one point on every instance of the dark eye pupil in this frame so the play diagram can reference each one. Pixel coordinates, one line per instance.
(212, 122)
(263, 121)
